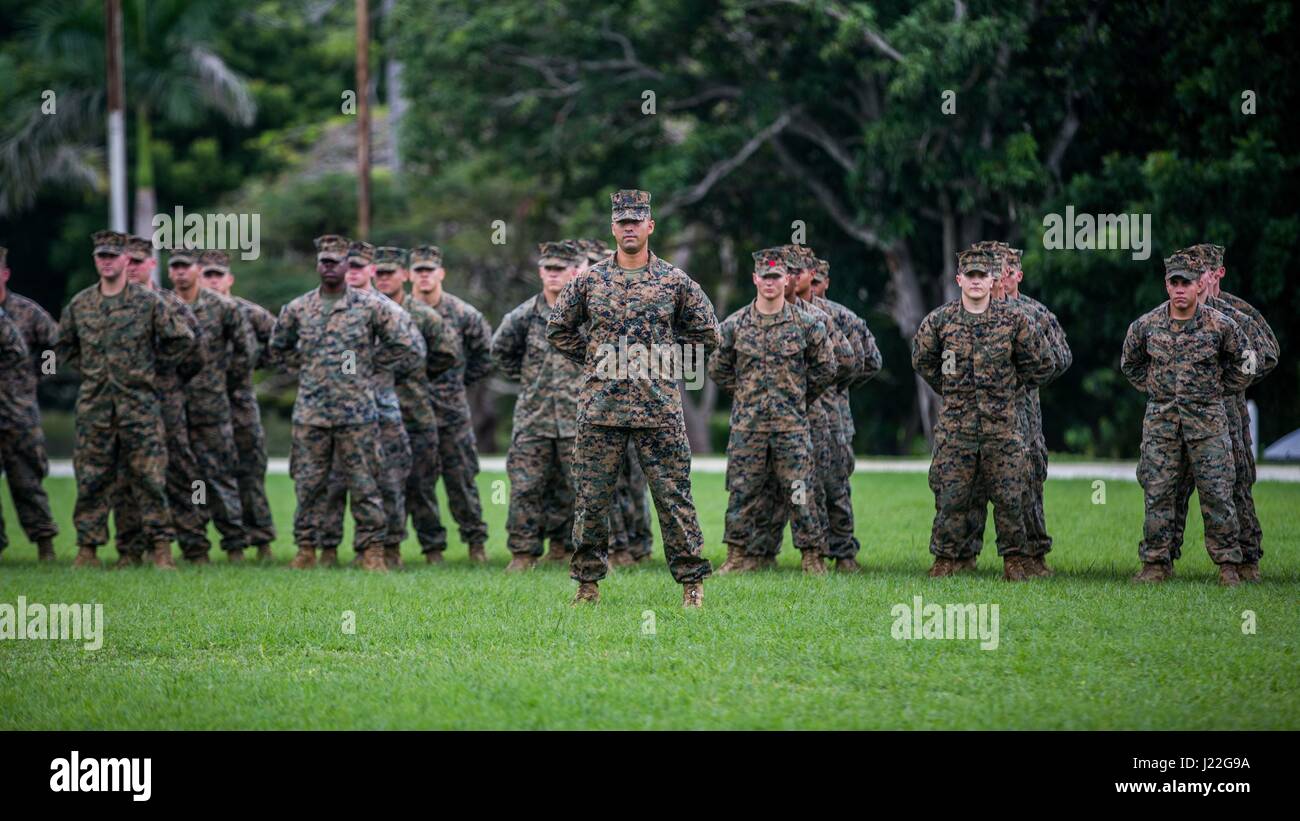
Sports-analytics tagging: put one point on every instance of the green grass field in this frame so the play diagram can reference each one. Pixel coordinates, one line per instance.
(461, 646)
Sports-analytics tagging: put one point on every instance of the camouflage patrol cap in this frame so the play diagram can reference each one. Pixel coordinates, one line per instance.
(332, 247)
(214, 261)
(999, 250)
(799, 257)
(1183, 264)
(823, 270)
(1211, 255)
(389, 258)
(771, 259)
(979, 259)
(425, 256)
(109, 242)
(596, 250)
(188, 256)
(138, 248)
(630, 204)
(361, 250)
(564, 253)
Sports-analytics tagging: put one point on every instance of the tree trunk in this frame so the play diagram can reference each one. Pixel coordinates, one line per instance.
(146, 200)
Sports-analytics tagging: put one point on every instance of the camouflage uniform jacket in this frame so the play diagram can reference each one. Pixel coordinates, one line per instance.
(1261, 341)
(773, 366)
(243, 399)
(228, 348)
(1186, 367)
(1268, 339)
(658, 308)
(120, 344)
(547, 405)
(414, 392)
(18, 385)
(980, 363)
(338, 349)
(14, 361)
(472, 337)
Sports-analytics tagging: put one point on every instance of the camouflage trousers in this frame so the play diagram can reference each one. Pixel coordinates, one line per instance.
(392, 463)
(23, 460)
(349, 452)
(772, 515)
(754, 460)
(422, 486)
(1037, 540)
(629, 513)
(459, 456)
(534, 465)
(1249, 533)
(216, 462)
(840, 541)
(1165, 456)
(964, 468)
(134, 454)
(665, 456)
(128, 526)
(250, 473)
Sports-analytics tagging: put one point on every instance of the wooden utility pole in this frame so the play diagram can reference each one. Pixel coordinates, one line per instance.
(363, 120)
(116, 116)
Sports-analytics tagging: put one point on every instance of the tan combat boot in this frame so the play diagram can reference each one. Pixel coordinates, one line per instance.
(558, 552)
(1016, 569)
(305, 558)
(760, 563)
(1228, 575)
(478, 554)
(1248, 571)
(45, 550)
(329, 557)
(86, 557)
(732, 563)
(813, 564)
(393, 558)
(235, 555)
(373, 560)
(198, 559)
(1154, 572)
(587, 592)
(125, 560)
(264, 554)
(693, 595)
(847, 564)
(434, 557)
(966, 565)
(521, 562)
(162, 557)
(622, 558)
(943, 567)
(1037, 567)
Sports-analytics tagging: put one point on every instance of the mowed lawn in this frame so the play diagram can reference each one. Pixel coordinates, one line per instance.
(463, 646)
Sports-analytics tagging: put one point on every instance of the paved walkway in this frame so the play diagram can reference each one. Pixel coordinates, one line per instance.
(1120, 471)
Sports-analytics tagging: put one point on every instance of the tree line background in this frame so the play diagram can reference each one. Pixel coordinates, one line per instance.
(767, 114)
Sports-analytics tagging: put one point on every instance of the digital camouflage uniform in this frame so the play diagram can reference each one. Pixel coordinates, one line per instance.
(841, 541)
(250, 436)
(545, 415)
(228, 347)
(421, 420)
(119, 344)
(657, 305)
(827, 433)
(1031, 418)
(1264, 344)
(181, 467)
(393, 455)
(22, 441)
(472, 337)
(1187, 368)
(775, 366)
(336, 348)
(979, 363)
